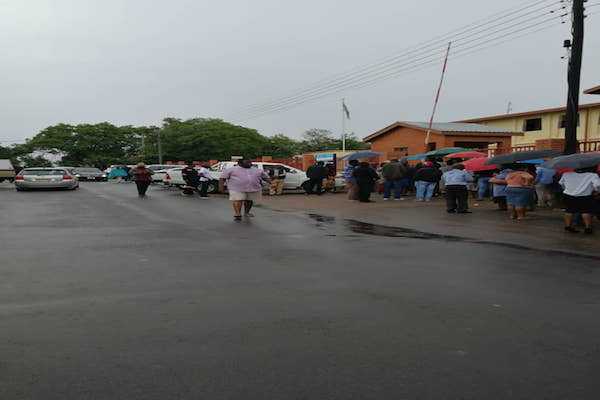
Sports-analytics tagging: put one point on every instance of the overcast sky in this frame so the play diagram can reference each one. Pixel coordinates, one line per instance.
(138, 61)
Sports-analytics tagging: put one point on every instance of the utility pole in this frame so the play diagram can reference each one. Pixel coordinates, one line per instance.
(159, 142)
(143, 145)
(572, 117)
(343, 126)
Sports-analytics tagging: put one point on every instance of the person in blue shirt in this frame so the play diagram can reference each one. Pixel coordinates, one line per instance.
(456, 181)
(544, 178)
(499, 189)
(351, 186)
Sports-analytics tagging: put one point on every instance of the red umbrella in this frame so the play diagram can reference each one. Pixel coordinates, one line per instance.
(478, 165)
(467, 155)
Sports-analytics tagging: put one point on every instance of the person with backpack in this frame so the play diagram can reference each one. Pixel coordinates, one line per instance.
(142, 177)
(393, 173)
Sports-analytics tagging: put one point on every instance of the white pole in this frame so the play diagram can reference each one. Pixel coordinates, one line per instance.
(343, 127)
(437, 96)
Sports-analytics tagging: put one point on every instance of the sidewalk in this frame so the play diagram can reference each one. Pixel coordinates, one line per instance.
(543, 229)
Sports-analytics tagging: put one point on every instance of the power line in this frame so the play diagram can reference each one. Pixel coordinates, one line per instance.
(440, 43)
(392, 62)
(417, 63)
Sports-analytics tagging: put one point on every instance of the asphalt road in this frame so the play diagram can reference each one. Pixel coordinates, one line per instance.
(106, 296)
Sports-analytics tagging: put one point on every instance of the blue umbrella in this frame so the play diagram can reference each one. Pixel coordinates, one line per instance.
(361, 154)
(537, 161)
(416, 157)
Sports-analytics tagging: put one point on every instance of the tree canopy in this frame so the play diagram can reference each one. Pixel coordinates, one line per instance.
(104, 144)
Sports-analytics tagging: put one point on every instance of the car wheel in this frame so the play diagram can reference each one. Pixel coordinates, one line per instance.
(213, 187)
(20, 189)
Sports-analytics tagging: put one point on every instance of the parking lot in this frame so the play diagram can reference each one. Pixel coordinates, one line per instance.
(107, 296)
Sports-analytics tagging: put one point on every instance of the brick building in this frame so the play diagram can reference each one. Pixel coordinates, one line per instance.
(408, 138)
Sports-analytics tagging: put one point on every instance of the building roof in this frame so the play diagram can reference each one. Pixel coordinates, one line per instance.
(528, 113)
(447, 128)
(594, 90)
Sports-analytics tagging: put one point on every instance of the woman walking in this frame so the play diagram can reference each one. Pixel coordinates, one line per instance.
(143, 178)
(365, 180)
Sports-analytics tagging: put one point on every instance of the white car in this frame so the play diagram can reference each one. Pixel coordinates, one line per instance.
(160, 171)
(294, 178)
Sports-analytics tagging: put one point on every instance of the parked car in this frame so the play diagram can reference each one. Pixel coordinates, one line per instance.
(160, 171)
(7, 172)
(174, 177)
(45, 178)
(89, 174)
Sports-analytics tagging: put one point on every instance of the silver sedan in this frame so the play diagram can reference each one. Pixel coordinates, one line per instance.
(45, 178)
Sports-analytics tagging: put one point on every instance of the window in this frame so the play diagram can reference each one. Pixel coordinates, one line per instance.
(533, 124)
(400, 149)
(431, 146)
(562, 123)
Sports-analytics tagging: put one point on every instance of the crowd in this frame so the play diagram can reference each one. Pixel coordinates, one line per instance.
(516, 187)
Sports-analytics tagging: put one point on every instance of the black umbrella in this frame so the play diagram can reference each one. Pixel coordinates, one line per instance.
(512, 158)
(575, 161)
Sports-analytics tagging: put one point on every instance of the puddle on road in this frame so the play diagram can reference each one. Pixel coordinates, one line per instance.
(366, 228)
(394, 231)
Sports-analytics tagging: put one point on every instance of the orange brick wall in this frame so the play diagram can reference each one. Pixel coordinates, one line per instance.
(414, 139)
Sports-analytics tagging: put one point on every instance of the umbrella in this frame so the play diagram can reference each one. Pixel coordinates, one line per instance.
(444, 152)
(575, 161)
(512, 158)
(534, 162)
(416, 157)
(467, 155)
(479, 165)
(361, 154)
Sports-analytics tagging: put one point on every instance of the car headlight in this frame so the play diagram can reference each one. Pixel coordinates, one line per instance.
(77, 175)
(104, 175)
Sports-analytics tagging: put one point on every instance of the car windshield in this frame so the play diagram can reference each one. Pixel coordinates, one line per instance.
(87, 170)
(43, 172)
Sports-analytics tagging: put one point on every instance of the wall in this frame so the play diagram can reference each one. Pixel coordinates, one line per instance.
(413, 139)
(589, 120)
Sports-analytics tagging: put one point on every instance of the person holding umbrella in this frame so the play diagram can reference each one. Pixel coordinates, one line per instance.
(519, 191)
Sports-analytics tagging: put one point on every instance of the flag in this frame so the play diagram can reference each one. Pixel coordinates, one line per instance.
(346, 111)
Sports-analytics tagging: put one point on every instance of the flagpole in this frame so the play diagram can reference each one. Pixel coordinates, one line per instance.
(437, 96)
(343, 127)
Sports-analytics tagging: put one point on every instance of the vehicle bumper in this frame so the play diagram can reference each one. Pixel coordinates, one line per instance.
(46, 185)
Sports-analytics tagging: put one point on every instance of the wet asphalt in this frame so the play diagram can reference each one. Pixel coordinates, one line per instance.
(106, 296)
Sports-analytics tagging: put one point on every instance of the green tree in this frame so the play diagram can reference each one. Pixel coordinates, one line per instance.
(281, 146)
(207, 138)
(90, 144)
(318, 140)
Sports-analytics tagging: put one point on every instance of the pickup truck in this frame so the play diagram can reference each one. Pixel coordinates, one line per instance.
(7, 172)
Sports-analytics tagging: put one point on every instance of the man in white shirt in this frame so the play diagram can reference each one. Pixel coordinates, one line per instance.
(204, 175)
(578, 195)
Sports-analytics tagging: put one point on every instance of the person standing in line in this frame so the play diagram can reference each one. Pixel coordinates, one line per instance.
(316, 173)
(456, 181)
(426, 179)
(544, 177)
(204, 179)
(365, 180)
(191, 178)
(483, 184)
(519, 191)
(245, 187)
(393, 173)
(578, 196)
(499, 187)
(142, 177)
(350, 180)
